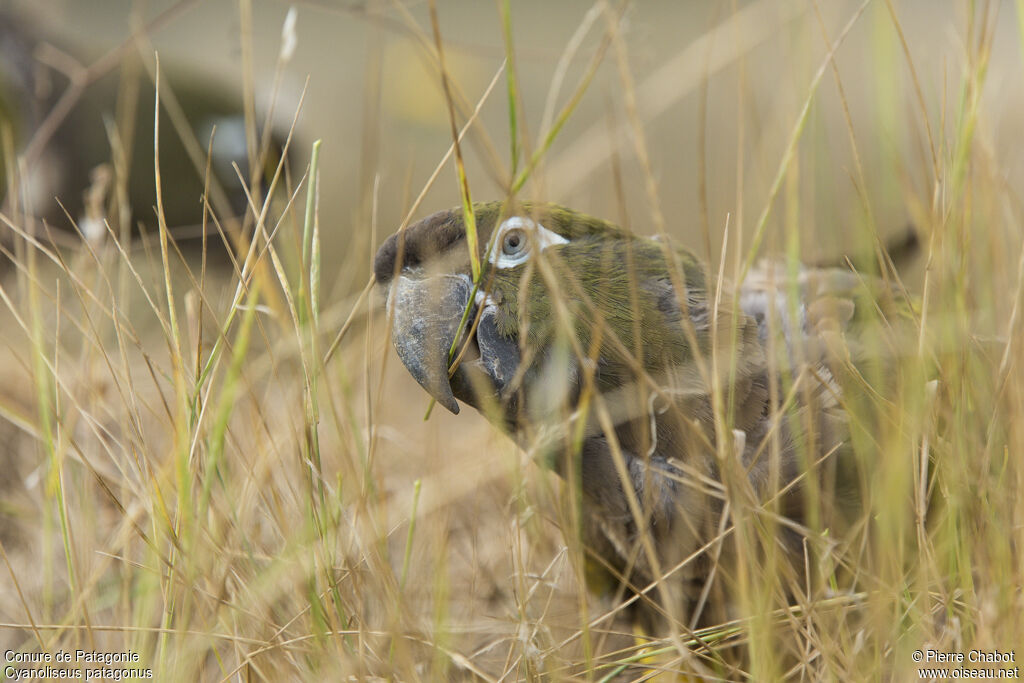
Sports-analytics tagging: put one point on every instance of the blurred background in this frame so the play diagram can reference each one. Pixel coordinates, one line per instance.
(148, 493)
(718, 88)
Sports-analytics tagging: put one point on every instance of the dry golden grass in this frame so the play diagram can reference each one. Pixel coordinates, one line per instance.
(199, 470)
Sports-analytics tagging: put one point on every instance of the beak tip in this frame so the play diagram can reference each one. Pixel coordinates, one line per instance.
(452, 405)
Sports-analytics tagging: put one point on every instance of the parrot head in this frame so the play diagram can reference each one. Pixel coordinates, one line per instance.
(560, 294)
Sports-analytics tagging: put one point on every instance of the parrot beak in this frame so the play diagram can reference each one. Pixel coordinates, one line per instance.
(427, 315)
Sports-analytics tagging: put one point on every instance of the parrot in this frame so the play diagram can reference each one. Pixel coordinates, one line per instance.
(660, 392)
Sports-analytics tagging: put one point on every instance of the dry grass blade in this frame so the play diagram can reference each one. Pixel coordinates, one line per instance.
(794, 140)
(468, 217)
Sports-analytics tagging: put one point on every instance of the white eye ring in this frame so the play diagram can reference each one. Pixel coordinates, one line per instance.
(516, 237)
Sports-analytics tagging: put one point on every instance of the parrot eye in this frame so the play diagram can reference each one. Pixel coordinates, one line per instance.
(514, 242)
